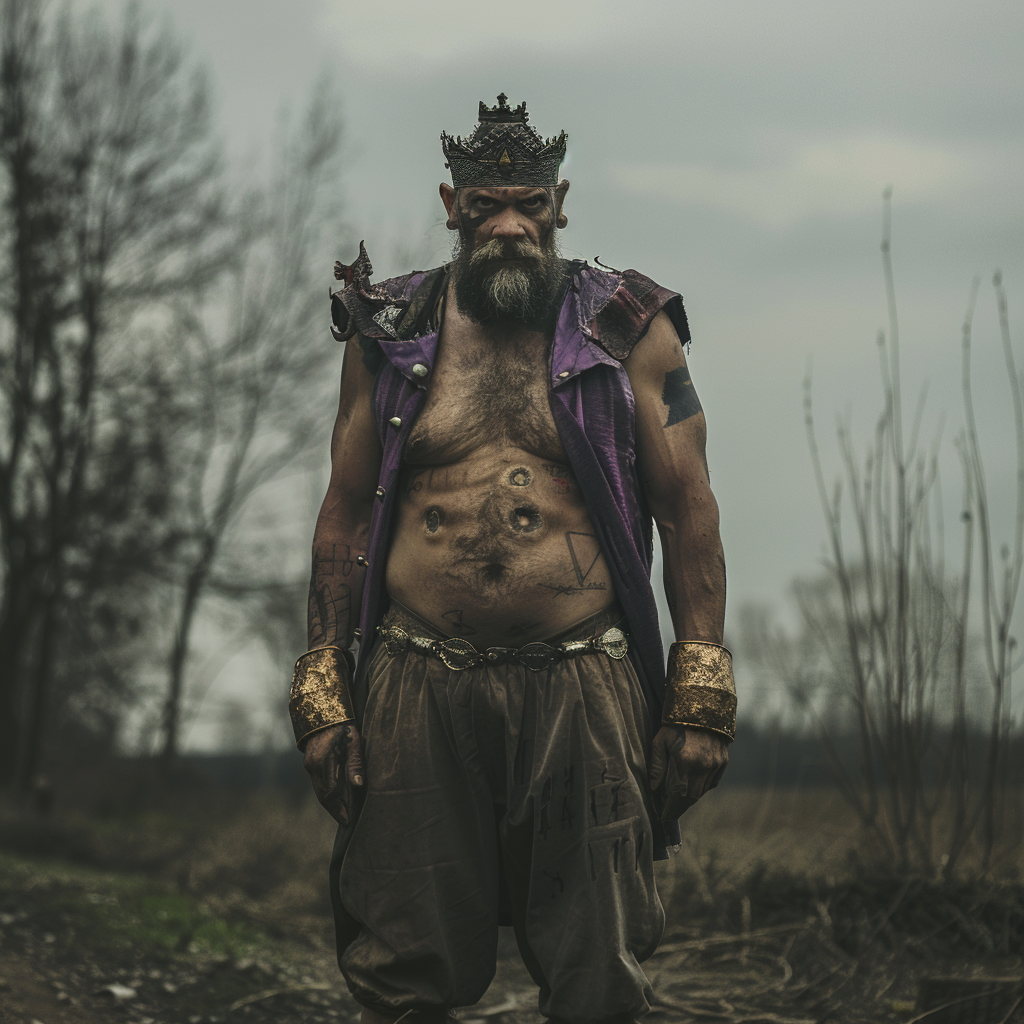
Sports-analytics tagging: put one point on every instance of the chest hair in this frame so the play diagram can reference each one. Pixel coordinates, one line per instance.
(493, 395)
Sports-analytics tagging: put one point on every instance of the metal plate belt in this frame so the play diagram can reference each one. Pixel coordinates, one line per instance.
(460, 654)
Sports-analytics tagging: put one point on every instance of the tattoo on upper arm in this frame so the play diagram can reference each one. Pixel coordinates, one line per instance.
(679, 396)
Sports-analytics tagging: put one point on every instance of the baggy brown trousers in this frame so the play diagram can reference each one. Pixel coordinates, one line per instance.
(539, 777)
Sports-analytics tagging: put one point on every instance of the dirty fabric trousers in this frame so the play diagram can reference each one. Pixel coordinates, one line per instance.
(539, 776)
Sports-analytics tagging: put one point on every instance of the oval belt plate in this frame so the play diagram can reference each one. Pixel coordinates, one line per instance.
(457, 654)
(613, 642)
(537, 656)
(395, 640)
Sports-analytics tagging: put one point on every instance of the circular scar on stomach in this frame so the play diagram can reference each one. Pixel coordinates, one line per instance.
(525, 519)
(520, 477)
(432, 519)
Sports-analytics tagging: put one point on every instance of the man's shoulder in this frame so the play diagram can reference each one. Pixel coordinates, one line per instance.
(618, 306)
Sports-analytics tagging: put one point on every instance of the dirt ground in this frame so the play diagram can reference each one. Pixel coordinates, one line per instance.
(220, 914)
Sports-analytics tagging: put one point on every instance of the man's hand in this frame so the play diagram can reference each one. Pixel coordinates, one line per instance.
(334, 760)
(688, 761)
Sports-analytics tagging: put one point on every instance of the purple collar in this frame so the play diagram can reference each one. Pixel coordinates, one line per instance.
(573, 348)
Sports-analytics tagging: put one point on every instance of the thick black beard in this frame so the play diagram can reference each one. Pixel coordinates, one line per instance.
(527, 299)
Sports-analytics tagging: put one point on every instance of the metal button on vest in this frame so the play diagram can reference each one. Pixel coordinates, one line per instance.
(395, 421)
(419, 369)
(380, 492)
(361, 560)
(564, 373)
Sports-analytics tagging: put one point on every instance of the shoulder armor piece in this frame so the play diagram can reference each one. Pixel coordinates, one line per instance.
(624, 318)
(399, 307)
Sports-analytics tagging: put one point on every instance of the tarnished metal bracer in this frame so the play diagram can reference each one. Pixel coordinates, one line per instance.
(320, 691)
(700, 690)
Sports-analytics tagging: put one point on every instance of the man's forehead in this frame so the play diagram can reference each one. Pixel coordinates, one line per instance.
(503, 193)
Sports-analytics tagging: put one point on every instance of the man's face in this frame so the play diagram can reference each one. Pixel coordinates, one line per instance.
(481, 214)
(506, 262)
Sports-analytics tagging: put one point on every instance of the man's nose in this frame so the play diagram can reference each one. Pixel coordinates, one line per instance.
(507, 224)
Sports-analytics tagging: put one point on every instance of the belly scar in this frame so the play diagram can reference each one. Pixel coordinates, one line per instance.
(520, 477)
(525, 518)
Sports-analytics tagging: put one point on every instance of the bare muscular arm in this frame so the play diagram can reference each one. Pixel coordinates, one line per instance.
(333, 756)
(671, 434)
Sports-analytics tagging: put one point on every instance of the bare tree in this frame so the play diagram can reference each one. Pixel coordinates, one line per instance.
(893, 624)
(112, 202)
(249, 361)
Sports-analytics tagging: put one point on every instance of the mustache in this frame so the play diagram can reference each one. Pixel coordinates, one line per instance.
(499, 250)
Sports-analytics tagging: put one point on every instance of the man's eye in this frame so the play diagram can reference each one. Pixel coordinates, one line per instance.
(483, 201)
(534, 202)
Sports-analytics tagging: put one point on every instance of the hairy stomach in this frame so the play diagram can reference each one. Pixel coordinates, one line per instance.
(497, 548)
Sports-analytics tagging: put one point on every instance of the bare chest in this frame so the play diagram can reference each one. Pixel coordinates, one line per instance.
(485, 393)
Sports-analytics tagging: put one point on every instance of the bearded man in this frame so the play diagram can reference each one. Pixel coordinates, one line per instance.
(509, 748)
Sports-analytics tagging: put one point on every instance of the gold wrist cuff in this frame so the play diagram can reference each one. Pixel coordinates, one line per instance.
(700, 690)
(320, 691)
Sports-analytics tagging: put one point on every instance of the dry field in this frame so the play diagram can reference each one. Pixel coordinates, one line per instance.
(215, 909)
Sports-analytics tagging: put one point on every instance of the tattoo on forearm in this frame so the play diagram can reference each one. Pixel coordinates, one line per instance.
(679, 396)
(328, 612)
(334, 563)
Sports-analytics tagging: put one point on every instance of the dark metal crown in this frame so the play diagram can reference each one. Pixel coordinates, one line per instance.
(503, 151)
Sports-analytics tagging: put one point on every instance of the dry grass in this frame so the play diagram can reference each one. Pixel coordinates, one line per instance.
(777, 908)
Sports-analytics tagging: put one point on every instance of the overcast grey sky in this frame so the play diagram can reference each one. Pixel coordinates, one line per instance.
(735, 151)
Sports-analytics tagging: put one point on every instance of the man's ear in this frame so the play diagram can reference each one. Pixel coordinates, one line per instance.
(448, 198)
(560, 190)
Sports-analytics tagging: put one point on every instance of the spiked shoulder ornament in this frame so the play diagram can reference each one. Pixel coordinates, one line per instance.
(504, 151)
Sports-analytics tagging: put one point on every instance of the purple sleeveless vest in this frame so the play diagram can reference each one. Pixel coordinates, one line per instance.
(601, 318)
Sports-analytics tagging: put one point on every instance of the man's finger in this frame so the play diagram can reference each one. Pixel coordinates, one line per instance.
(677, 790)
(337, 805)
(699, 784)
(354, 758)
(657, 769)
(676, 800)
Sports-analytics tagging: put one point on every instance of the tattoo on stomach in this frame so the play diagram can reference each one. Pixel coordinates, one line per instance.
(455, 623)
(561, 477)
(569, 590)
